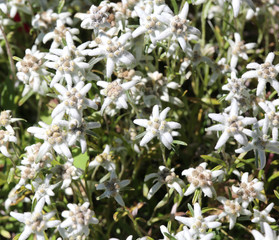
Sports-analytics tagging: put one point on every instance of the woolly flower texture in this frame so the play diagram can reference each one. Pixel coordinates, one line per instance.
(158, 126)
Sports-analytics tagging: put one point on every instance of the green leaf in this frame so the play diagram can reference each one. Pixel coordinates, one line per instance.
(5, 234)
(196, 196)
(191, 209)
(25, 98)
(165, 200)
(179, 142)
(175, 7)
(17, 58)
(60, 6)
(273, 176)
(11, 175)
(276, 193)
(17, 236)
(169, 236)
(80, 160)
(213, 159)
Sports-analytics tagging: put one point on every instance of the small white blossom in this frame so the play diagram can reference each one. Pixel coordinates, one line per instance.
(96, 18)
(30, 71)
(232, 209)
(263, 216)
(259, 144)
(164, 176)
(112, 188)
(239, 49)
(231, 125)
(5, 138)
(198, 224)
(59, 34)
(54, 138)
(68, 62)
(269, 233)
(42, 189)
(77, 221)
(73, 101)
(271, 119)
(113, 49)
(104, 159)
(179, 29)
(249, 190)
(157, 126)
(185, 234)
(66, 172)
(152, 22)
(77, 131)
(6, 120)
(202, 178)
(35, 222)
(115, 93)
(236, 87)
(265, 73)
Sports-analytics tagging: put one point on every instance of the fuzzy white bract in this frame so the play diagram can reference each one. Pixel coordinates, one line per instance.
(158, 127)
(36, 222)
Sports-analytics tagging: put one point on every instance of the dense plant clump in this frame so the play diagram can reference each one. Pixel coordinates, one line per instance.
(148, 119)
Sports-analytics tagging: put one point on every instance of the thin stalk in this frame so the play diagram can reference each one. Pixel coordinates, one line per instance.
(9, 52)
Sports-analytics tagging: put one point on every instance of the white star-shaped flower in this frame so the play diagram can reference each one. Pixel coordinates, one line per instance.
(36, 222)
(200, 177)
(115, 93)
(158, 127)
(198, 224)
(231, 125)
(265, 73)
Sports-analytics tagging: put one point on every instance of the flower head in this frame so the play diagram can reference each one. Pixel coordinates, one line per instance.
(200, 177)
(158, 127)
(35, 222)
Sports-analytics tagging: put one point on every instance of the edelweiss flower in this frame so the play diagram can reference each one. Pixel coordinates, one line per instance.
(67, 172)
(5, 138)
(73, 101)
(263, 216)
(35, 222)
(185, 234)
(30, 167)
(266, 73)
(112, 188)
(164, 176)
(77, 220)
(53, 136)
(96, 18)
(249, 190)
(113, 49)
(59, 33)
(115, 93)
(42, 189)
(269, 233)
(30, 71)
(231, 125)
(158, 126)
(77, 131)
(200, 177)
(68, 62)
(259, 144)
(6, 120)
(232, 209)
(239, 49)
(271, 119)
(104, 159)
(152, 21)
(179, 29)
(236, 87)
(198, 224)
(219, 69)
